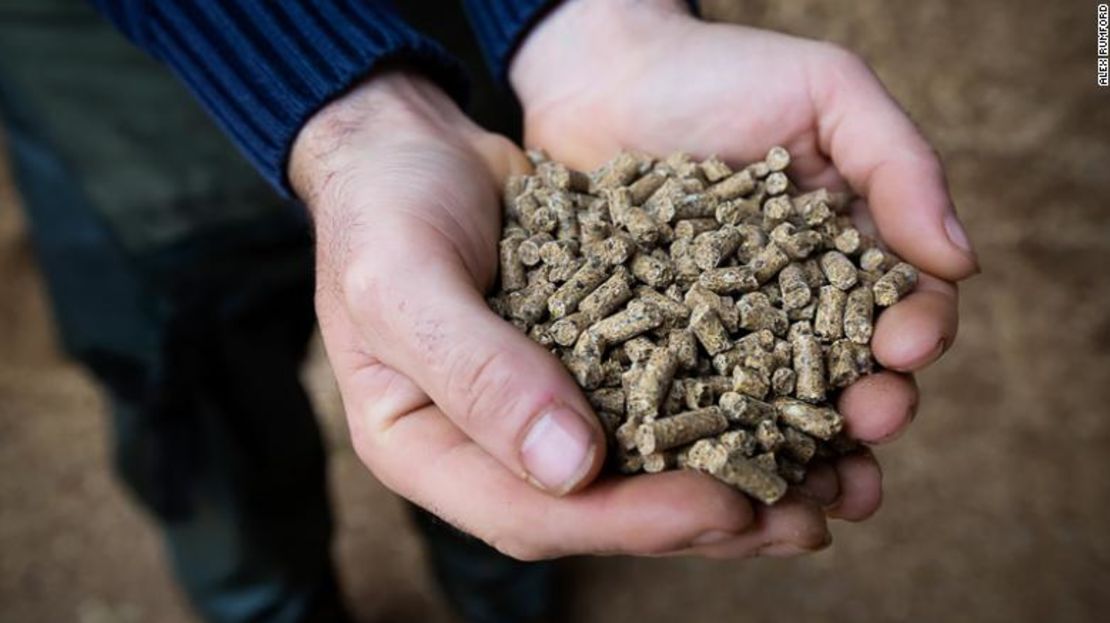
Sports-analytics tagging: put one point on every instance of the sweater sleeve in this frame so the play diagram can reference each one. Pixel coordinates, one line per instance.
(501, 25)
(263, 68)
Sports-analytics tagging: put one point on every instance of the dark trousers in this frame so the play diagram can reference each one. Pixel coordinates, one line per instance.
(185, 286)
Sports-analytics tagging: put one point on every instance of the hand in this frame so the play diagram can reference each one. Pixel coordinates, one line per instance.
(447, 404)
(597, 76)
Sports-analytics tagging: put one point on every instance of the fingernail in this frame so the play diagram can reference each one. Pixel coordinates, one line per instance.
(788, 548)
(558, 450)
(712, 537)
(956, 232)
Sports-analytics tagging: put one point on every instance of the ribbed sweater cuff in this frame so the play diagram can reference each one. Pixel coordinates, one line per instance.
(263, 68)
(500, 26)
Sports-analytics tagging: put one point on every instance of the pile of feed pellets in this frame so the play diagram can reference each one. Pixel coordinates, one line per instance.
(711, 315)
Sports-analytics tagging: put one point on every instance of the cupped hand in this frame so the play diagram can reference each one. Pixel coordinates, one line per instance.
(598, 76)
(449, 405)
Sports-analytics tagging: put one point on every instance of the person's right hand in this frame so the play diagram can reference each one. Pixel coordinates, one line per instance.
(449, 405)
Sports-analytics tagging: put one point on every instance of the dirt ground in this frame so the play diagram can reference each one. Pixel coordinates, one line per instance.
(997, 501)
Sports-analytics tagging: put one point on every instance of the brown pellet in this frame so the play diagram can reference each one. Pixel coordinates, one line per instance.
(654, 271)
(795, 290)
(708, 329)
(841, 364)
(607, 297)
(817, 421)
(895, 284)
(733, 186)
(565, 300)
(646, 394)
(729, 279)
(839, 270)
(858, 314)
(513, 275)
(714, 169)
(809, 365)
(712, 247)
(782, 381)
(768, 262)
(828, 324)
(677, 430)
(744, 409)
(744, 474)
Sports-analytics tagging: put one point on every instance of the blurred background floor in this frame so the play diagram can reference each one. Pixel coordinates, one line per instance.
(998, 500)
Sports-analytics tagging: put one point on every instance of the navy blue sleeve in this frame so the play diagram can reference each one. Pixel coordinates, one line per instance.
(263, 68)
(500, 26)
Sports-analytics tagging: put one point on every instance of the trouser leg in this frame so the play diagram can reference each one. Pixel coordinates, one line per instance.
(213, 434)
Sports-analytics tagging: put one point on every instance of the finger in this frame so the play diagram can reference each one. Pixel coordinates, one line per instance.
(793, 526)
(861, 483)
(502, 389)
(822, 485)
(883, 156)
(918, 329)
(878, 407)
(423, 456)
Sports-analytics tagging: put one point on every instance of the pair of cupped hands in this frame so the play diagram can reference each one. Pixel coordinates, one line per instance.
(458, 411)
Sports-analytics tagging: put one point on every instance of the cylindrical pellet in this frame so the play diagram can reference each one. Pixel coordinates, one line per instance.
(744, 409)
(565, 300)
(798, 444)
(751, 382)
(513, 276)
(819, 422)
(709, 330)
(733, 186)
(693, 227)
(858, 314)
(728, 279)
(646, 394)
(740, 472)
(768, 436)
(620, 171)
(712, 247)
(795, 290)
(637, 318)
(768, 262)
(608, 297)
(529, 249)
(678, 430)
(565, 331)
(809, 364)
(776, 183)
(841, 364)
(609, 399)
(828, 324)
(839, 270)
(654, 271)
(714, 169)
(782, 381)
(643, 188)
(895, 284)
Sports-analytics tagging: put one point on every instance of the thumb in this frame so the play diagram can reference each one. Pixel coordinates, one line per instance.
(507, 393)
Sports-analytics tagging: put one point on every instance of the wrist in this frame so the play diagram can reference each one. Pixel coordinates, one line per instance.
(571, 47)
(391, 108)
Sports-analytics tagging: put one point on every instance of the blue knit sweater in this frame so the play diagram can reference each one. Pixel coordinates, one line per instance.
(263, 67)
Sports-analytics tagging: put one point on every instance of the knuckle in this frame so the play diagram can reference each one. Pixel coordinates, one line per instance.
(842, 57)
(481, 379)
(364, 285)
